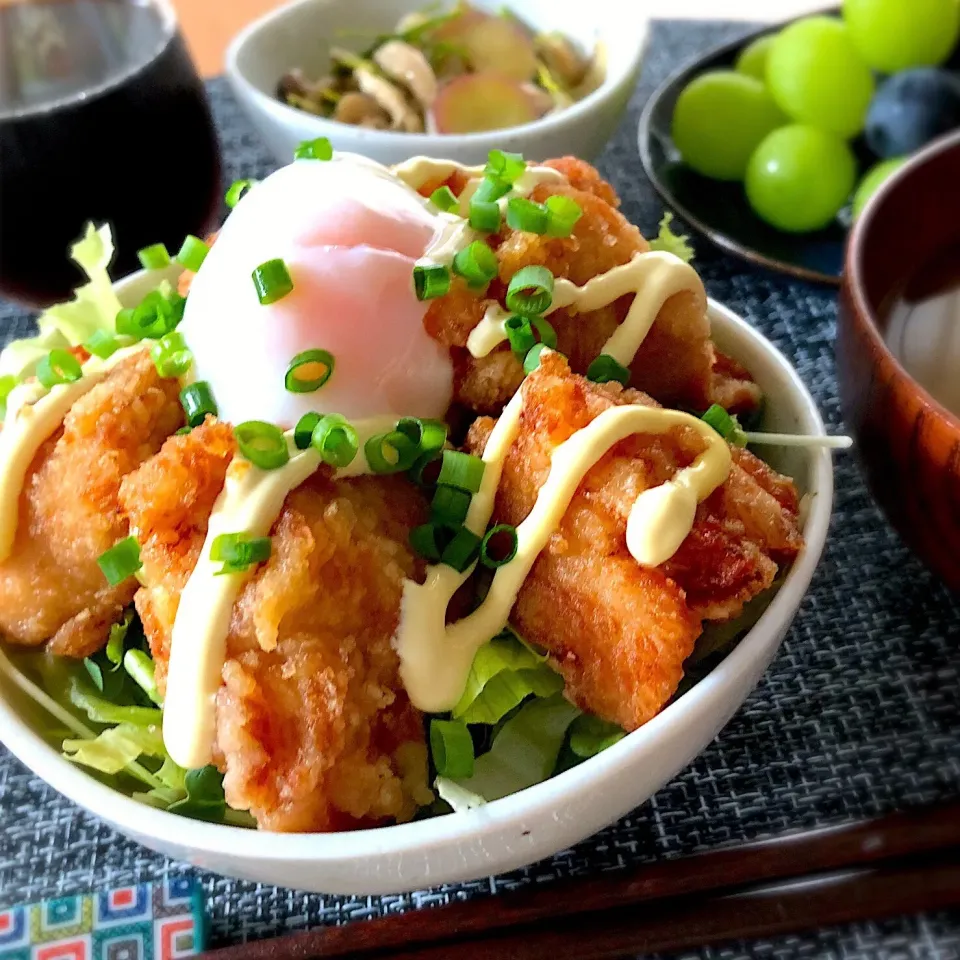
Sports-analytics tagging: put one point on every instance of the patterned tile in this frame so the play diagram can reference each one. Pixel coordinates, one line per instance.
(140, 922)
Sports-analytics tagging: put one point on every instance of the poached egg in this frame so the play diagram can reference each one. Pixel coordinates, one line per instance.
(349, 232)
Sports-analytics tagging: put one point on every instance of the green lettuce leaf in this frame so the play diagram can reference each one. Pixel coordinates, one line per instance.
(504, 673)
(669, 242)
(116, 747)
(590, 735)
(525, 750)
(100, 710)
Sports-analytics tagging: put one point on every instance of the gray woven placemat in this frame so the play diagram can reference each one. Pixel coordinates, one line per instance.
(858, 715)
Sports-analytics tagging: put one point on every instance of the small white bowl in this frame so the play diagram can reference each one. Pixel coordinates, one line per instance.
(301, 33)
(529, 825)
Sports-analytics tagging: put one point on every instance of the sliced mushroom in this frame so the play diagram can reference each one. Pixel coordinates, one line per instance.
(543, 102)
(562, 58)
(391, 98)
(407, 65)
(361, 111)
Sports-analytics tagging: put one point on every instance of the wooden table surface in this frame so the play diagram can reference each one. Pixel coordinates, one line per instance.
(209, 24)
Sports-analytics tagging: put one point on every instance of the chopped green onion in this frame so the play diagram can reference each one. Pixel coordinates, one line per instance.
(143, 671)
(434, 435)
(303, 431)
(489, 555)
(462, 470)
(477, 264)
(525, 215)
(425, 471)
(427, 435)
(484, 215)
(197, 401)
(726, 425)
(101, 344)
(122, 560)
(508, 167)
(530, 291)
(171, 355)
(239, 551)
(318, 149)
(154, 257)
(272, 281)
(153, 317)
(450, 505)
(430, 280)
(237, 189)
(193, 252)
(262, 443)
(462, 550)
(182, 432)
(519, 333)
(532, 360)
(309, 371)
(491, 189)
(58, 366)
(547, 334)
(336, 440)
(452, 748)
(445, 199)
(391, 452)
(562, 215)
(605, 368)
(429, 539)
(7, 382)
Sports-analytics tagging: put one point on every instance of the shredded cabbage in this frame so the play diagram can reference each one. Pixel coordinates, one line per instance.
(505, 672)
(94, 307)
(116, 747)
(669, 242)
(525, 750)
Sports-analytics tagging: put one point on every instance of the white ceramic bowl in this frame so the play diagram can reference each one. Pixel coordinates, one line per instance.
(301, 33)
(527, 826)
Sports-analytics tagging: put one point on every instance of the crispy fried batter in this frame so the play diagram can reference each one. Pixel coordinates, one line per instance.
(619, 633)
(677, 362)
(314, 731)
(51, 587)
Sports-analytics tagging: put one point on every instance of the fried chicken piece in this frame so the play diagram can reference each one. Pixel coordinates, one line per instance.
(314, 729)
(677, 363)
(618, 632)
(50, 586)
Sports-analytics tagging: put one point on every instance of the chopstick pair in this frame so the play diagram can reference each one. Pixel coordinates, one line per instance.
(901, 863)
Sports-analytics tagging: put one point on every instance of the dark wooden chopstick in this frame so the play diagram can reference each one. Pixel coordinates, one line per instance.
(899, 863)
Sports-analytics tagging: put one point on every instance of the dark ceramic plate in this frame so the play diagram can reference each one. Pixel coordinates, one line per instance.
(720, 210)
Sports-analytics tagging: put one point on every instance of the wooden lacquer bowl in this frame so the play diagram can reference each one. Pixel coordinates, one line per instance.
(908, 443)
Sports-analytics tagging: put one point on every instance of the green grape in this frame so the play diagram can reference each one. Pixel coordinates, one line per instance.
(893, 35)
(872, 180)
(752, 60)
(719, 119)
(816, 76)
(800, 177)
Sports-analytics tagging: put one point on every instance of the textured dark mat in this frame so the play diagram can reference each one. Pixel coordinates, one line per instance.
(858, 715)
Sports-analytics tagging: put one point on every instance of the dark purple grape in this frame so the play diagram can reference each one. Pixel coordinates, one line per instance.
(912, 108)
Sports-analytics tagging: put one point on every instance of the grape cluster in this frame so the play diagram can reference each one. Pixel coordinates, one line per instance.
(783, 120)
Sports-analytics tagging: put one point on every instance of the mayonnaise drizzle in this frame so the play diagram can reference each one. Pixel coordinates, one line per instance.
(652, 277)
(34, 413)
(435, 658)
(251, 501)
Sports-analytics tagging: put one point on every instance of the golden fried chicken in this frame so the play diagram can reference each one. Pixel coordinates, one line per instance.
(51, 587)
(619, 633)
(677, 363)
(314, 731)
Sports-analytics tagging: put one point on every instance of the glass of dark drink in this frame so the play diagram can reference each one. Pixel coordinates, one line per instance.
(103, 118)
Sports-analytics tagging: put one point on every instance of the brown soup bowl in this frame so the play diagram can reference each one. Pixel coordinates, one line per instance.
(908, 443)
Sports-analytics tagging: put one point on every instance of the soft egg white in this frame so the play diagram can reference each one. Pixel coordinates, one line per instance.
(349, 232)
